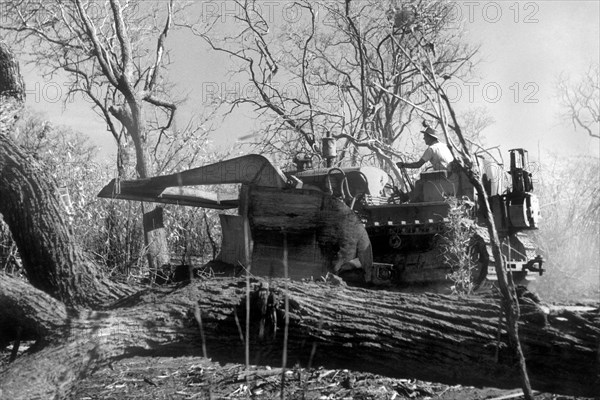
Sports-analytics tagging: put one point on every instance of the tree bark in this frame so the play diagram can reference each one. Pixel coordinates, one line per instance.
(430, 337)
(11, 89)
(131, 116)
(35, 215)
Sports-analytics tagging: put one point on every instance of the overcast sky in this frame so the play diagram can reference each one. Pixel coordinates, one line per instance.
(525, 45)
(524, 52)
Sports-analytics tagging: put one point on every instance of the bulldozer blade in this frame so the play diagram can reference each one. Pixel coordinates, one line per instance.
(145, 190)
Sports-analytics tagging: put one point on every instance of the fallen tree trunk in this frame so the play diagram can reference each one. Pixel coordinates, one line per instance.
(430, 337)
(53, 261)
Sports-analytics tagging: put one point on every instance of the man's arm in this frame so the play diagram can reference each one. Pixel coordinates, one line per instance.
(427, 155)
(415, 164)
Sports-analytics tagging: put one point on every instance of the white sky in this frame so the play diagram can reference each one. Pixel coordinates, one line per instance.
(523, 54)
(525, 45)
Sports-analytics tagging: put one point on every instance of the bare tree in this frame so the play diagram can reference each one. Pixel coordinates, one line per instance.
(113, 53)
(337, 71)
(580, 100)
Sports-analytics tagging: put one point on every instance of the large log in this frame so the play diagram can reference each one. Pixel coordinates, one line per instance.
(322, 233)
(54, 262)
(430, 337)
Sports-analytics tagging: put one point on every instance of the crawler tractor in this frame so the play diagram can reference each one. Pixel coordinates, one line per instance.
(351, 221)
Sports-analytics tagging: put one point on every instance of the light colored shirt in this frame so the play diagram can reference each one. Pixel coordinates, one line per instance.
(439, 155)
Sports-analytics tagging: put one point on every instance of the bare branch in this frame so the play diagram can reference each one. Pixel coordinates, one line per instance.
(160, 48)
(124, 40)
(100, 51)
(581, 100)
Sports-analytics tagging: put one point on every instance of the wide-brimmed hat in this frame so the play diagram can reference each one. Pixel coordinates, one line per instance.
(431, 132)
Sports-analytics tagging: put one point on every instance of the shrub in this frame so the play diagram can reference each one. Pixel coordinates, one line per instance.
(456, 246)
(110, 231)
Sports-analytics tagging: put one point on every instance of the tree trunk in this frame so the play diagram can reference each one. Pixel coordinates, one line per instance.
(35, 215)
(509, 300)
(430, 337)
(155, 237)
(510, 303)
(53, 261)
(11, 89)
(132, 118)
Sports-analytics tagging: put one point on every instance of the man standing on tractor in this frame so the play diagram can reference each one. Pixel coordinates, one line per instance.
(437, 153)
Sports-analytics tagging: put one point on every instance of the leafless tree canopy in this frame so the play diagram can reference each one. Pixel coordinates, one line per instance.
(580, 100)
(112, 52)
(341, 69)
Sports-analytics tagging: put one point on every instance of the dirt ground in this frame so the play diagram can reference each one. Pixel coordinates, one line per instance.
(199, 378)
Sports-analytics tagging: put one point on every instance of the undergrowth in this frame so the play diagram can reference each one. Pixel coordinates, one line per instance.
(110, 231)
(456, 246)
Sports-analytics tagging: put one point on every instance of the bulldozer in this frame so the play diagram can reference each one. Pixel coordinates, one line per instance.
(310, 221)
